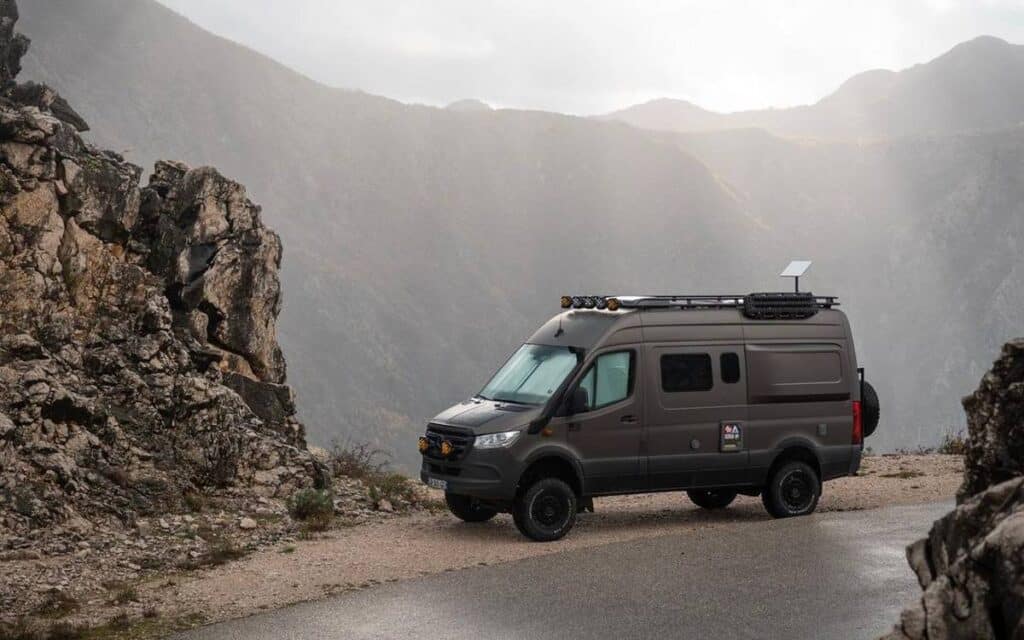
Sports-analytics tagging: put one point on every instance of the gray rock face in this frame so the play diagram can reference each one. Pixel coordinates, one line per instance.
(971, 565)
(138, 358)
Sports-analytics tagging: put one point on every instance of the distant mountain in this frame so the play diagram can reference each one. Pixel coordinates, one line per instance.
(977, 85)
(469, 104)
(420, 246)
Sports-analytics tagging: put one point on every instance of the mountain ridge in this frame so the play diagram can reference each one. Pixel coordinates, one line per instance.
(919, 99)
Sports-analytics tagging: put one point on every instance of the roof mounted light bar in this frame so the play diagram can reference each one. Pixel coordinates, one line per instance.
(761, 306)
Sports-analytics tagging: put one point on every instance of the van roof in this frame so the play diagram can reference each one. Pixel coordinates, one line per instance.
(588, 328)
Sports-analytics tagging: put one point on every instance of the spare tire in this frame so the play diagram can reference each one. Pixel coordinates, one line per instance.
(870, 410)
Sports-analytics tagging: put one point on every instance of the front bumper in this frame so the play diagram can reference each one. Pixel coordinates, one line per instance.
(485, 474)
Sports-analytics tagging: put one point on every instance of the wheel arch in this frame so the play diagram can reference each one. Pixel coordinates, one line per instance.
(552, 462)
(795, 449)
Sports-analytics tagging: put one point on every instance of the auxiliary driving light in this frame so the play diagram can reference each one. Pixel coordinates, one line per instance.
(577, 302)
(613, 304)
(589, 302)
(423, 444)
(447, 448)
(566, 302)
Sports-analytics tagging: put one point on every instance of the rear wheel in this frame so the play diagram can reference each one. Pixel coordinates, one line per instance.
(712, 498)
(793, 490)
(546, 511)
(468, 509)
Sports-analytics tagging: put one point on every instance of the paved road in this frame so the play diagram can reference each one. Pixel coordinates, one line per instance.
(834, 575)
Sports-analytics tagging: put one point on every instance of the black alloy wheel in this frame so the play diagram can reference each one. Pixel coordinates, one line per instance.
(711, 498)
(468, 509)
(546, 510)
(793, 490)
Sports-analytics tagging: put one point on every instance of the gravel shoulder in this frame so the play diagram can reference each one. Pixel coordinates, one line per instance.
(421, 544)
(357, 557)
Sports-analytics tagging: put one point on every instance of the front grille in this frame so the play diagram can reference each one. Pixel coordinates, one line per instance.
(461, 439)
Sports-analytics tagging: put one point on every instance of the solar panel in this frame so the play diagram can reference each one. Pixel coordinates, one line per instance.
(796, 269)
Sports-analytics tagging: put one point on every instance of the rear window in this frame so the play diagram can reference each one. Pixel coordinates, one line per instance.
(686, 372)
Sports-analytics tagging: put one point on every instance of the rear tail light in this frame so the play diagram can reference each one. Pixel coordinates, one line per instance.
(858, 424)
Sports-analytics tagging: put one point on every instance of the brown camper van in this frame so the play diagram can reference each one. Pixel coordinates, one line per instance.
(755, 394)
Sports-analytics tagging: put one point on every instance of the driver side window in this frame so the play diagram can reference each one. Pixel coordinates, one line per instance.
(609, 380)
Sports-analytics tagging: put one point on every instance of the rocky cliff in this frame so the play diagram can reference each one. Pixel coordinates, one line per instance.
(138, 358)
(971, 565)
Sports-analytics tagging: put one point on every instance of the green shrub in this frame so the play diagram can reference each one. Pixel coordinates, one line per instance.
(309, 504)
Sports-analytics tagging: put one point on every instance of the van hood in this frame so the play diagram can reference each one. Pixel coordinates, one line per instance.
(488, 416)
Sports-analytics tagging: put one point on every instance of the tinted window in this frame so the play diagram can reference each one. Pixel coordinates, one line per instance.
(730, 368)
(609, 379)
(686, 372)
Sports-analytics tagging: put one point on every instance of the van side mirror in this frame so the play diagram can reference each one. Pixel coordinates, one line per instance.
(579, 401)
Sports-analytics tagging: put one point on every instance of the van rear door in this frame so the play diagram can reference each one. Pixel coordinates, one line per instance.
(696, 416)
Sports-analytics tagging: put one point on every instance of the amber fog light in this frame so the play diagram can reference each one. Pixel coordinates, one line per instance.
(423, 444)
(447, 448)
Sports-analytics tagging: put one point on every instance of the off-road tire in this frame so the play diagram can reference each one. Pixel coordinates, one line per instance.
(792, 490)
(468, 509)
(711, 498)
(870, 409)
(546, 510)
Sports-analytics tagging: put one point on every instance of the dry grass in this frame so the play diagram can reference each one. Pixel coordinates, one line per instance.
(953, 443)
(57, 604)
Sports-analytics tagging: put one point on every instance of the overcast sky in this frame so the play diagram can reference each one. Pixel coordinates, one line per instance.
(588, 57)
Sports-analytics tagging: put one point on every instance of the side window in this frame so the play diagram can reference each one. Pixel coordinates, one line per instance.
(609, 379)
(686, 372)
(730, 364)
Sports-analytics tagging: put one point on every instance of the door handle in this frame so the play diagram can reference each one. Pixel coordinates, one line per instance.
(628, 419)
(573, 426)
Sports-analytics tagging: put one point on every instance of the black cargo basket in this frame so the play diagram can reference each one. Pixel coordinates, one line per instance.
(783, 306)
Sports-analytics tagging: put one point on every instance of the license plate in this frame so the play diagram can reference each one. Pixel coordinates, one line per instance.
(438, 484)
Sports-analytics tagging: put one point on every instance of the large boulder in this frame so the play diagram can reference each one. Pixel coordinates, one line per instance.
(138, 354)
(971, 565)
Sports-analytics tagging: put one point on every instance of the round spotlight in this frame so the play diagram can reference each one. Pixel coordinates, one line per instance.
(614, 304)
(589, 302)
(447, 448)
(577, 302)
(566, 302)
(602, 302)
(423, 444)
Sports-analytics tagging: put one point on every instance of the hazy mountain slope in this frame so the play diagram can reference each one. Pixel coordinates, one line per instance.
(921, 235)
(976, 85)
(420, 245)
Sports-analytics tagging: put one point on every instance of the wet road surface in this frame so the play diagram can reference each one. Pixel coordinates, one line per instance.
(833, 575)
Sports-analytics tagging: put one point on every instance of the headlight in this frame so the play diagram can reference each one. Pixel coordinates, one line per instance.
(496, 440)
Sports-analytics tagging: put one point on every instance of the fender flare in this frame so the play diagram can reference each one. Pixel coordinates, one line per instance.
(561, 452)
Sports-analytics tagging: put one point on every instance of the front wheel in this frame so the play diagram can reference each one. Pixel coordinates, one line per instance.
(546, 511)
(792, 490)
(468, 509)
(711, 498)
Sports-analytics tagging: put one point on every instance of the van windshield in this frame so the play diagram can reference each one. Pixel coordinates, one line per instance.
(531, 375)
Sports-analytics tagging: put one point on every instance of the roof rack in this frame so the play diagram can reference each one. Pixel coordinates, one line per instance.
(757, 306)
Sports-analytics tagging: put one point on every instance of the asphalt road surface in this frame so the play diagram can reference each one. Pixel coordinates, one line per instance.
(834, 575)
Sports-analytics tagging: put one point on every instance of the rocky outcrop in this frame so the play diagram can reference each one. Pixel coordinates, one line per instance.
(138, 359)
(971, 565)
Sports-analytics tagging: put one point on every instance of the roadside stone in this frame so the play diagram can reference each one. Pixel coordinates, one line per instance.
(247, 524)
(971, 565)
